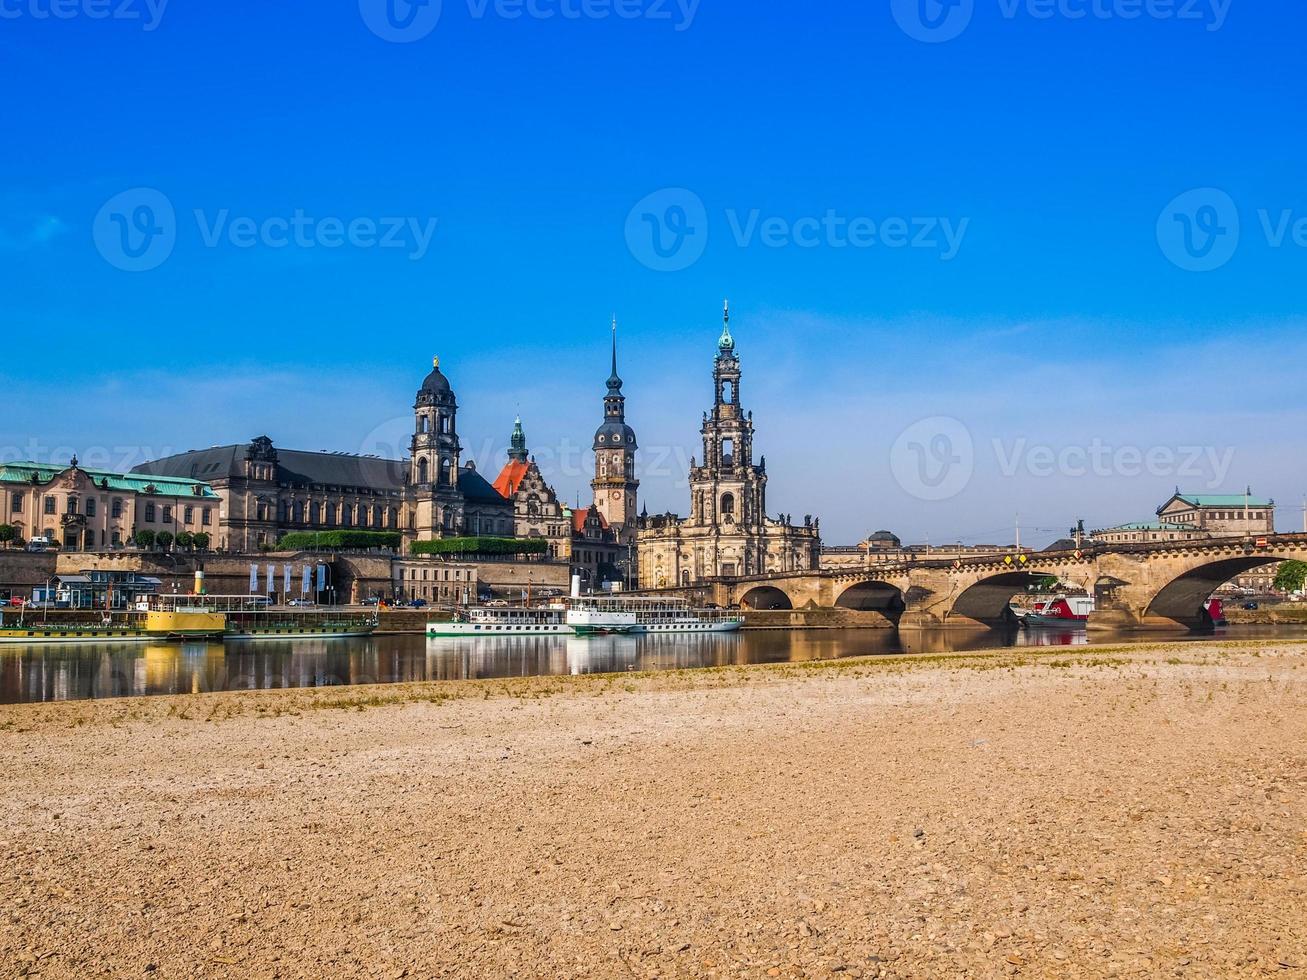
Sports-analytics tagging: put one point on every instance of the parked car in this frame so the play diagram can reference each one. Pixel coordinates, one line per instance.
(1251, 606)
(371, 601)
(417, 604)
(39, 544)
(18, 601)
(301, 602)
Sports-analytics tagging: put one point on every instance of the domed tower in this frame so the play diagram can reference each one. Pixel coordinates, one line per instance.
(615, 486)
(435, 454)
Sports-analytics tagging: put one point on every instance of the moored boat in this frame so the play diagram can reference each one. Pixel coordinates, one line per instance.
(505, 621)
(1061, 611)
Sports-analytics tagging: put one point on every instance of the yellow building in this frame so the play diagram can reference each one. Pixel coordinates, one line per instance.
(93, 510)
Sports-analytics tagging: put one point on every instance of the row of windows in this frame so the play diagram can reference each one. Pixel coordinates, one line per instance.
(188, 515)
(450, 575)
(116, 508)
(329, 514)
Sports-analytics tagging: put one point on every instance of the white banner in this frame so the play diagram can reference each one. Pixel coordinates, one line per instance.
(304, 580)
(254, 579)
(285, 580)
(272, 579)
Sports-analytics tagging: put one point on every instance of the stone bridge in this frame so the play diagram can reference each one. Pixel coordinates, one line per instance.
(1151, 586)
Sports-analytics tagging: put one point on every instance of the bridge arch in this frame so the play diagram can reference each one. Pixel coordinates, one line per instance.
(988, 600)
(1183, 598)
(766, 597)
(873, 596)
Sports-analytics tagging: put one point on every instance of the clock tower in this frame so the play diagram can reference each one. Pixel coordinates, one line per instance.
(615, 486)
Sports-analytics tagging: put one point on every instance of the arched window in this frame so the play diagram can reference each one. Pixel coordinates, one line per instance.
(424, 424)
(445, 471)
(728, 391)
(728, 507)
(423, 471)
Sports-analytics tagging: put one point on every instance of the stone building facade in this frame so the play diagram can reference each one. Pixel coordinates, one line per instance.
(1198, 516)
(537, 512)
(728, 532)
(87, 510)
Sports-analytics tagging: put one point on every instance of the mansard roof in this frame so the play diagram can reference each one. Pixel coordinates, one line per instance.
(293, 466)
(156, 485)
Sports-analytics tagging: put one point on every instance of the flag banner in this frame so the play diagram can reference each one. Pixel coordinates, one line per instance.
(272, 579)
(285, 580)
(304, 580)
(322, 578)
(254, 579)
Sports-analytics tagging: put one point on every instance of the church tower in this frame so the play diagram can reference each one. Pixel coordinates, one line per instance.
(728, 493)
(438, 510)
(615, 486)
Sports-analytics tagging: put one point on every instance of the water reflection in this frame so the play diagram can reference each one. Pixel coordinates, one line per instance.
(111, 670)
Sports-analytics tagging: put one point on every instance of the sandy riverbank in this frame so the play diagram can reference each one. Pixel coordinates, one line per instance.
(1137, 811)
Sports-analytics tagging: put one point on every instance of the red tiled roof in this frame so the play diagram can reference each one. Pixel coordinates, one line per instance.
(579, 517)
(510, 477)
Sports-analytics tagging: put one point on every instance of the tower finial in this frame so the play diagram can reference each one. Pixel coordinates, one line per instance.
(435, 362)
(726, 342)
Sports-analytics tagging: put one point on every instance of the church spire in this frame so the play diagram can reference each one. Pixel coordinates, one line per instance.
(726, 342)
(517, 446)
(614, 381)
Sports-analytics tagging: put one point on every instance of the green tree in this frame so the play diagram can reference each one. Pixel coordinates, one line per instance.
(164, 540)
(144, 539)
(200, 539)
(184, 539)
(1291, 576)
(8, 534)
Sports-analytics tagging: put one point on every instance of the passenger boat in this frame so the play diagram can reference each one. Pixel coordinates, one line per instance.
(31, 633)
(505, 621)
(588, 616)
(1061, 611)
(618, 614)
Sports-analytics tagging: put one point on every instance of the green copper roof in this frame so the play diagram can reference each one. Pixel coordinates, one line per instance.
(164, 486)
(1223, 500)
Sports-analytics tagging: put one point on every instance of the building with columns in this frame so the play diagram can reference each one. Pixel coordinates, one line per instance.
(728, 532)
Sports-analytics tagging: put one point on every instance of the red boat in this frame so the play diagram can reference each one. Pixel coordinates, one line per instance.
(1062, 611)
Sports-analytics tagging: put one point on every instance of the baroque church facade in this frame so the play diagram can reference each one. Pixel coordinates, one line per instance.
(728, 532)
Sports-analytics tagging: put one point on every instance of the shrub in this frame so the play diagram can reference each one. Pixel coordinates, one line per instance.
(481, 546)
(144, 539)
(164, 540)
(184, 539)
(200, 539)
(334, 540)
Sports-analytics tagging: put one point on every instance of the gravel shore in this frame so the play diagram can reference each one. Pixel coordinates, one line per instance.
(1132, 811)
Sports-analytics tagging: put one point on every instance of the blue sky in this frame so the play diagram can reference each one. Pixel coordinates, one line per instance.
(1043, 164)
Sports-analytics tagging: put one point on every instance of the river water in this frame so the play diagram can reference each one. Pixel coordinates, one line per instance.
(115, 670)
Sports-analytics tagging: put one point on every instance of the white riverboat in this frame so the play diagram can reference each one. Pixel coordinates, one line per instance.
(506, 621)
(618, 614)
(600, 615)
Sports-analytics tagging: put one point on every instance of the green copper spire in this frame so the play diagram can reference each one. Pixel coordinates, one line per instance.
(726, 342)
(517, 448)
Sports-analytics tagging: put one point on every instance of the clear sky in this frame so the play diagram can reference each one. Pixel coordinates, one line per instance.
(969, 274)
